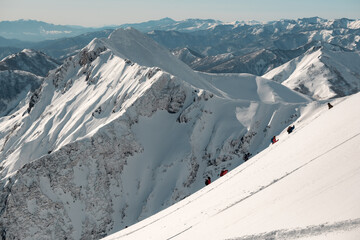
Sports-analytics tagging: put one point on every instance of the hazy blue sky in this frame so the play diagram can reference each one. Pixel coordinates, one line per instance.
(107, 12)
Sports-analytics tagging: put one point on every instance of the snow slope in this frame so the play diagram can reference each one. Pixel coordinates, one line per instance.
(123, 130)
(303, 187)
(322, 72)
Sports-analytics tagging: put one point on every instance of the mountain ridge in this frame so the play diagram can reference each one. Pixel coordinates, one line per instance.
(98, 167)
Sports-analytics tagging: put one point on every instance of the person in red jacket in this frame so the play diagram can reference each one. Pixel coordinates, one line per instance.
(223, 172)
(274, 140)
(208, 181)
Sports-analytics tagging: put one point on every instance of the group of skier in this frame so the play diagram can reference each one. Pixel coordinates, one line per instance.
(222, 173)
(289, 130)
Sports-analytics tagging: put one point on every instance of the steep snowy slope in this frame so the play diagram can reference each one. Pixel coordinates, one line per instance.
(303, 187)
(123, 130)
(322, 72)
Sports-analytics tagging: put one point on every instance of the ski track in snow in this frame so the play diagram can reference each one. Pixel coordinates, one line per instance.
(180, 233)
(309, 231)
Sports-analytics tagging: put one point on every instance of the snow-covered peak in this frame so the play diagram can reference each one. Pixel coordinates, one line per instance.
(325, 71)
(141, 49)
(354, 24)
(311, 20)
(29, 52)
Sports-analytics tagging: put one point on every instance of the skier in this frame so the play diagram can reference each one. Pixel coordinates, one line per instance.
(208, 181)
(274, 140)
(290, 129)
(223, 172)
(329, 105)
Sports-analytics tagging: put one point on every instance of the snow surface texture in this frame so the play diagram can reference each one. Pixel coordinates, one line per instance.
(123, 130)
(303, 187)
(322, 72)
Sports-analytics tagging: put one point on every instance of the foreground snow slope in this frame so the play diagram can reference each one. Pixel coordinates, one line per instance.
(305, 186)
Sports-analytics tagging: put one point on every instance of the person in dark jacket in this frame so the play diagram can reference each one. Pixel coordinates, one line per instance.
(329, 105)
(290, 129)
(208, 181)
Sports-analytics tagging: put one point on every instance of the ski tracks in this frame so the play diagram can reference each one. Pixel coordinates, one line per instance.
(285, 175)
(309, 231)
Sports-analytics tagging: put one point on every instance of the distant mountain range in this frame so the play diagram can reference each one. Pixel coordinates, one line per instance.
(35, 31)
(276, 41)
(216, 47)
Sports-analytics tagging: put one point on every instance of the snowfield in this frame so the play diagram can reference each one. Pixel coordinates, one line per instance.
(302, 187)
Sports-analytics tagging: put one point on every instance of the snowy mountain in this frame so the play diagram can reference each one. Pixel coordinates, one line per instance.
(30, 61)
(302, 187)
(323, 72)
(214, 39)
(123, 130)
(187, 55)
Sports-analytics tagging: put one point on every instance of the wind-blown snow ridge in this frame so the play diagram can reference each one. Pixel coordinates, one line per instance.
(303, 187)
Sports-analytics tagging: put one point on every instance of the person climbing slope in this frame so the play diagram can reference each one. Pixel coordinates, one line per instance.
(223, 172)
(274, 140)
(290, 129)
(208, 181)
